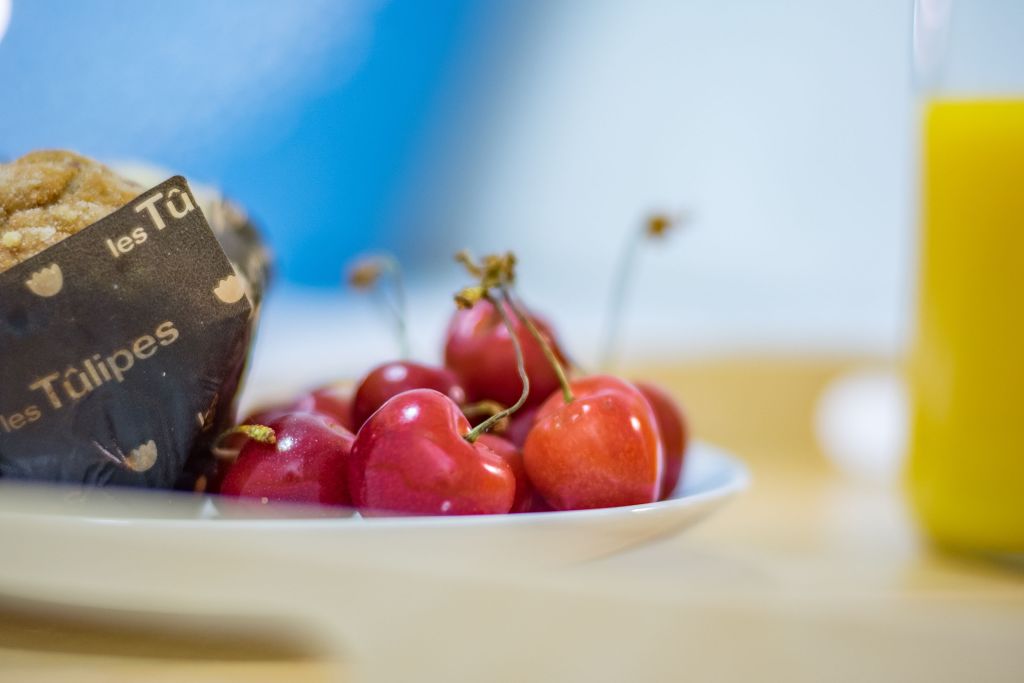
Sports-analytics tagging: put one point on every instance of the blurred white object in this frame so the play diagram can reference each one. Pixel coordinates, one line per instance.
(5, 17)
(861, 424)
(931, 38)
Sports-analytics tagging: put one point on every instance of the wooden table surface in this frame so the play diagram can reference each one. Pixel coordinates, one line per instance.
(807, 576)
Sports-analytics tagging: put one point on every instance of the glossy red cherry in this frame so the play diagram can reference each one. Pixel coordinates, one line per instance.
(331, 400)
(391, 379)
(526, 499)
(479, 350)
(674, 433)
(411, 457)
(602, 449)
(307, 464)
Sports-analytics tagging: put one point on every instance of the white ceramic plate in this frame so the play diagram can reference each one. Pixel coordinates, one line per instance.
(167, 553)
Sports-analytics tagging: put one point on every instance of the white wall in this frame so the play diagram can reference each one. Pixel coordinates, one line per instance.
(786, 126)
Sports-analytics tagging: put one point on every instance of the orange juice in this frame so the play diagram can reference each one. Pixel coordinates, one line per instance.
(966, 471)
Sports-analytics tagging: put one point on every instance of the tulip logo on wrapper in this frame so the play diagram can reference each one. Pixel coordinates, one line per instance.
(230, 290)
(46, 282)
(142, 458)
(139, 459)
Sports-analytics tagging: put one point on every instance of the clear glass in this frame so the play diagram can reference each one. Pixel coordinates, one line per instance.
(966, 370)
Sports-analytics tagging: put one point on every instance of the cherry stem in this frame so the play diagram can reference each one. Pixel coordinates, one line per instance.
(485, 407)
(613, 323)
(402, 310)
(549, 352)
(261, 433)
(497, 417)
(655, 227)
(365, 275)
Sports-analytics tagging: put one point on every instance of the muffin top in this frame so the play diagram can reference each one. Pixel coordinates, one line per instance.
(48, 195)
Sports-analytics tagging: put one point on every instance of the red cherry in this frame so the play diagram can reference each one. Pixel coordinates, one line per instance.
(674, 433)
(306, 465)
(602, 449)
(539, 504)
(262, 416)
(411, 457)
(332, 400)
(519, 426)
(479, 350)
(391, 379)
(266, 415)
(526, 499)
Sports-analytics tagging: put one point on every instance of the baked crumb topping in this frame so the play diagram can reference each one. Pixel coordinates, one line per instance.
(49, 195)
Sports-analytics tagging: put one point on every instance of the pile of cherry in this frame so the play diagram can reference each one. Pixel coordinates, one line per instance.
(403, 442)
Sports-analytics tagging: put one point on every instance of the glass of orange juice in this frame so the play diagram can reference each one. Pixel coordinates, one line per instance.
(966, 369)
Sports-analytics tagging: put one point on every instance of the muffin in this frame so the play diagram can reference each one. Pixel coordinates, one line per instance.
(129, 309)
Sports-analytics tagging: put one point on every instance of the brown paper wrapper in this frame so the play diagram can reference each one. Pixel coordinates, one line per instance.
(122, 347)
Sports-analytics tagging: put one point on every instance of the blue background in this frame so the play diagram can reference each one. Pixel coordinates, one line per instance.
(310, 113)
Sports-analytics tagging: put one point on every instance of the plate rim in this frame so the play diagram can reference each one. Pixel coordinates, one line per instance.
(737, 480)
